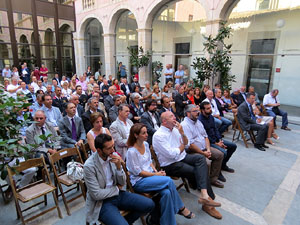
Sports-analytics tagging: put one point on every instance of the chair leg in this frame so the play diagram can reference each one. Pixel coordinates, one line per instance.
(187, 188)
(64, 198)
(56, 203)
(19, 212)
(82, 187)
(244, 139)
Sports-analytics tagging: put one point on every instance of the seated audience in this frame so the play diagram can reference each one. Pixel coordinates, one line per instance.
(104, 88)
(199, 143)
(252, 90)
(151, 119)
(82, 83)
(23, 89)
(156, 94)
(243, 93)
(232, 107)
(248, 121)
(40, 86)
(169, 144)
(31, 95)
(237, 97)
(206, 87)
(49, 90)
(147, 92)
(66, 91)
(93, 107)
(271, 103)
(145, 178)
(136, 107)
(180, 102)
(117, 86)
(79, 109)
(134, 84)
(216, 141)
(114, 111)
(104, 178)
(71, 128)
(120, 128)
(58, 100)
(53, 114)
(96, 120)
(13, 88)
(108, 100)
(221, 123)
(126, 88)
(39, 128)
(101, 105)
(38, 105)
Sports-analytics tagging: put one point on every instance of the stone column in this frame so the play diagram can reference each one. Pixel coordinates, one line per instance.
(109, 54)
(145, 41)
(79, 55)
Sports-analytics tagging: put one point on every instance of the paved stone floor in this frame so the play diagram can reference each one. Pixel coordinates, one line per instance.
(263, 190)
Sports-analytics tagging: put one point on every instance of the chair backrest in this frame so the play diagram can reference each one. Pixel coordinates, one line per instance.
(67, 152)
(127, 177)
(86, 150)
(154, 157)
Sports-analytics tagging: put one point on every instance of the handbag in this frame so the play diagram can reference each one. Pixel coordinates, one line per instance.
(75, 171)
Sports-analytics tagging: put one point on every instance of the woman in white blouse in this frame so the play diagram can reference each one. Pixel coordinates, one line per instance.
(97, 122)
(145, 178)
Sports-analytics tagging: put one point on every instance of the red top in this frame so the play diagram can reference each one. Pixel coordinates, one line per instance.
(118, 92)
(37, 74)
(191, 99)
(44, 70)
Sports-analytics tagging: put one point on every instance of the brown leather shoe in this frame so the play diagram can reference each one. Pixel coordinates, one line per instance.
(217, 183)
(212, 211)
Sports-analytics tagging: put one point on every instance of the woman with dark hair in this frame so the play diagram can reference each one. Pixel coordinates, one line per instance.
(97, 122)
(190, 95)
(145, 178)
(197, 96)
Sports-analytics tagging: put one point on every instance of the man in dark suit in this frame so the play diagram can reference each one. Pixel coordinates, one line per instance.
(93, 104)
(237, 97)
(31, 95)
(108, 101)
(151, 119)
(126, 88)
(180, 102)
(71, 128)
(79, 109)
(248, 121)
(58, 100)
(166, 106)
(82, 97)
(134, 84)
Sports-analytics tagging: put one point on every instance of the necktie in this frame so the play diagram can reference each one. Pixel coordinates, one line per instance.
(251, 112)
(74, 135)
(43, 131)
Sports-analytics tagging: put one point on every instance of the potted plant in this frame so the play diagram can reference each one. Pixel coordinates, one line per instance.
(218, 63)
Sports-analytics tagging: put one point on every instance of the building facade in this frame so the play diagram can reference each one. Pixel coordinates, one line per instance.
(36, 32)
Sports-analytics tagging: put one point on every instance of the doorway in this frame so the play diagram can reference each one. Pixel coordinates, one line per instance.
(261, 65)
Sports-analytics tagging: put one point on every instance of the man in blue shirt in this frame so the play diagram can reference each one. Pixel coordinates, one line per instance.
(179, 75)
(227, 147)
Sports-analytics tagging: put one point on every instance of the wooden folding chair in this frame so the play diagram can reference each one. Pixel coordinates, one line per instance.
(86, 151)
(157, 166)
(237, 127)
(61, 178)
(33, 190)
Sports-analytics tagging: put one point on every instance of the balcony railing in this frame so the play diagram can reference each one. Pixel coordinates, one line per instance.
(88, 4)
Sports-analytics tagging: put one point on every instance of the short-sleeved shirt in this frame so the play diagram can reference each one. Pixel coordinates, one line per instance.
(181, 74)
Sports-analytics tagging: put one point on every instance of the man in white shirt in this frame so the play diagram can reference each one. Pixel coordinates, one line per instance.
(40, 86)
(199, 143)
(169, 73)
(272, 103)
(34, 84)
(169, 143)
(24, 90)
(13, 87)
(6, 72)
(120, 130)
(146, 92)
(221, 123)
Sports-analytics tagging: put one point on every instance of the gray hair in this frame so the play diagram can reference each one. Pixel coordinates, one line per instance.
(39, 110)
(147, 82)
(216, 90)
(189, 108)
(134, 95)
(116, 97)
(91, 99)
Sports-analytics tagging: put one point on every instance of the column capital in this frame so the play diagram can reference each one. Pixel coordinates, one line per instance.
(109, 34)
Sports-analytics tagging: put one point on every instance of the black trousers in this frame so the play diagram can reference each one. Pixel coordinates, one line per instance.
(262, 132)
(194, 168)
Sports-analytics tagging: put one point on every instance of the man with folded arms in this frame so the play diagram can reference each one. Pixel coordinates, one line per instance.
(104, 178)
(199, 143)
(169, 143)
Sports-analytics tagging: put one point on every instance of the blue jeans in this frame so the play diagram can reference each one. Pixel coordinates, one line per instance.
(170, 201)
(231, 147)
(284, 115)
(137, 204)
(222, 124)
